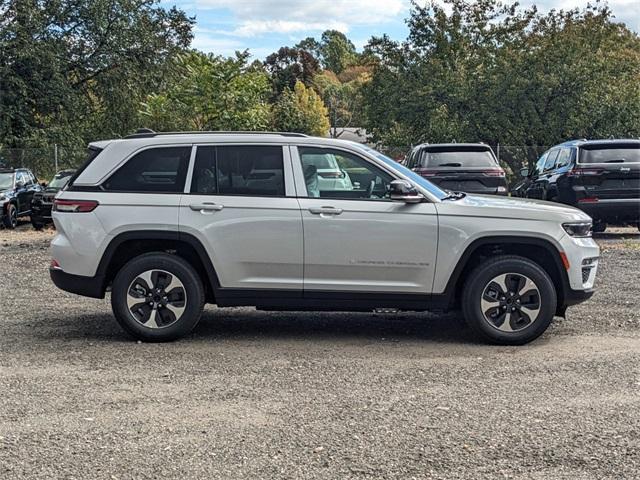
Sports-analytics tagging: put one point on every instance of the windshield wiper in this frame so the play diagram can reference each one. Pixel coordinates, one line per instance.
(454, 195)
(450, 165)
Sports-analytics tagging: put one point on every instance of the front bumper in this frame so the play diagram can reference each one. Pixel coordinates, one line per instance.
(78, 284)
(41, 212)
(623, 210)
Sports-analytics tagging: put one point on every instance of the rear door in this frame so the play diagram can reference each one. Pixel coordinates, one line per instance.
(241, 204)
(358, 240)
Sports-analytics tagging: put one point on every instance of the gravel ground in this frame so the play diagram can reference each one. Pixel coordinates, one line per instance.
(304, 395)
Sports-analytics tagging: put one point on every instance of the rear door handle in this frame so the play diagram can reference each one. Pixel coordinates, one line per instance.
(206, 207)
(325, 210)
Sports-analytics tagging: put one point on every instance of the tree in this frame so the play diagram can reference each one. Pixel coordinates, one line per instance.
(337, 51)
(342, 94)
(72, 71)
(289, 65)
(210, 93)
(487, 72)
(301, 110)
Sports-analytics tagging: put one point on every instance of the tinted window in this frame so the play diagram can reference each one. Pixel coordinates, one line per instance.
(551, 159)
(463, 157)
(6, 181)
(624, 153)
(351, 177)
(563, 157)
(239, 170)
(152, 170)
(540, 164)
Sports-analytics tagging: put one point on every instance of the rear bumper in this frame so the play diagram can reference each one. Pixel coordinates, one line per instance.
(78, 284)
(620, 209)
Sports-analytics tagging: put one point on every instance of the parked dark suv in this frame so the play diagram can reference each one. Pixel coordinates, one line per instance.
(463, 167)
(17, 187)
(601, 177)
(43, 201)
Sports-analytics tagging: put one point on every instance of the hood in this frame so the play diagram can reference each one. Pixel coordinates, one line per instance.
(510, 207)
(4, 193)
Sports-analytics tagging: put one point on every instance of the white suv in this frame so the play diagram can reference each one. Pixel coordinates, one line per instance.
(168, 222)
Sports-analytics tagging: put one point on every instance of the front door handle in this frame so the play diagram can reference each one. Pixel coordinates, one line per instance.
(206, 207)
(325, 210)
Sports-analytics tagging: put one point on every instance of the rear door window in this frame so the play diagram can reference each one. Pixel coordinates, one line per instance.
(160, 170)
(256, 170)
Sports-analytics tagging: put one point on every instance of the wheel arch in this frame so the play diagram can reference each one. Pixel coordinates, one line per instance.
(127, 245)
(539, 250)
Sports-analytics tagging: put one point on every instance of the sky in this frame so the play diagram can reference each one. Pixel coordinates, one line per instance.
(263, 26)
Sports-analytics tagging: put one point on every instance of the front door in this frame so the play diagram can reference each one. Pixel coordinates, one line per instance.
(242, 207)
(355, 238)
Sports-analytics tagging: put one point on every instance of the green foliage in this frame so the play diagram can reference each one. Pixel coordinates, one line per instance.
(72, 71)
(301, 110)
(342, 94)
(207, 92)
(337, 51)
(487, 72)
(288, 65)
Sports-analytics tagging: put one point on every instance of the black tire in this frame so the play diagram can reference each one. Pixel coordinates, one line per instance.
(599, 226)
(37, 225)
(11, 217)
(159, 263)
(479, 282)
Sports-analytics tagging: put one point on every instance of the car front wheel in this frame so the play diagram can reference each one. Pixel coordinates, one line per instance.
(509, 300)
(157, 297)
(11, 217)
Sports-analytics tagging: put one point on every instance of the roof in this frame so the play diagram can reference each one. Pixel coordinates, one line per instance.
(452, 145)
(602, 141)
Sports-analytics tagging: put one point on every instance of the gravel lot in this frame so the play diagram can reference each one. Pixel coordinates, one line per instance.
(303, 395)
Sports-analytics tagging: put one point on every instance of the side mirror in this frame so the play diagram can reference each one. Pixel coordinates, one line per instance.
(19, 185)
(403, 191)
(524, 172)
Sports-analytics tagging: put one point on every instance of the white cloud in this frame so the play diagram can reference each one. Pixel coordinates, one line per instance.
(256, 17)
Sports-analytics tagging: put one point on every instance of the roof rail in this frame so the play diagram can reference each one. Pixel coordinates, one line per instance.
(147, 133)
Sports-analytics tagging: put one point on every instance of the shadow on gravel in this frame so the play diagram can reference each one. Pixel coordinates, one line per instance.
(617, 235)
(238, 324)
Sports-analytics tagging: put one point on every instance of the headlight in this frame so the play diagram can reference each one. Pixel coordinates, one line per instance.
(578, 229)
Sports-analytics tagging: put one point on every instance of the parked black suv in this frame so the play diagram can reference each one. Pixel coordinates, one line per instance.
(461, 167)
(42, 201)
(601, 177)
(17, 187)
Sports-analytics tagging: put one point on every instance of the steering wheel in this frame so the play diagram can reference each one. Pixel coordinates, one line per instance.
(372, 185)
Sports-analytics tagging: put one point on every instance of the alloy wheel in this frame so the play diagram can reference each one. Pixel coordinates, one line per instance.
(510, 302)
(156, 299)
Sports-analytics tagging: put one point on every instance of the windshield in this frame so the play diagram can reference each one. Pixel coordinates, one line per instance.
(6, 181)
(413, 176)
(457, 158)
(59, 181)
(626, 153)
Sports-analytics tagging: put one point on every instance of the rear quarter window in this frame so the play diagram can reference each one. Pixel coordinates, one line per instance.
(162, 169)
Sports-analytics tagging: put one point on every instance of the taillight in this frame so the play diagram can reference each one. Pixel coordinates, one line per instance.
(493, 173)
(588, 200)
(576, 171)
(74, 206)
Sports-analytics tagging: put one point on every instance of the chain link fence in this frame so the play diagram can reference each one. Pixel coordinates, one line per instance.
(44, 162)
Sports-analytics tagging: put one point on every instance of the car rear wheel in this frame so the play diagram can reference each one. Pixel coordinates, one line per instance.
(157, 297)
(11, 218)
(509, 300)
